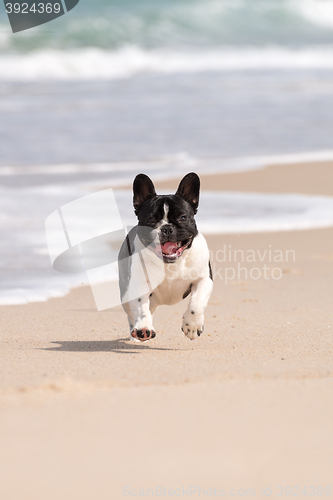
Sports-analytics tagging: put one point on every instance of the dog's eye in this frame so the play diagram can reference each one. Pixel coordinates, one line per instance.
(150, 220)
(183, 218)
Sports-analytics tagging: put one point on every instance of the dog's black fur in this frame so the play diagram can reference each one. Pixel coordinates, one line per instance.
(167, 226)
(149, 208)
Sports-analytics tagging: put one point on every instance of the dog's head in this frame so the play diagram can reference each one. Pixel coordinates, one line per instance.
(170, 217)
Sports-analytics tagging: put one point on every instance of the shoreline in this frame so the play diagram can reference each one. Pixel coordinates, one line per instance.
(243, 211)
(311, 247)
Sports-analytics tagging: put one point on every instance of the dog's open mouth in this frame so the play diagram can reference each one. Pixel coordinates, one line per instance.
(171, 250)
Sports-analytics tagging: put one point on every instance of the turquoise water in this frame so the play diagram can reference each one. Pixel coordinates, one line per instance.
(148, 24)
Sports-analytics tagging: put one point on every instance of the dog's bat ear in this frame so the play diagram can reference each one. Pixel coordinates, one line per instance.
(143, 189)
(189, 189)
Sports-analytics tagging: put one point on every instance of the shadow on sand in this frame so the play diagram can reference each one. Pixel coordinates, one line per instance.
(124, 346)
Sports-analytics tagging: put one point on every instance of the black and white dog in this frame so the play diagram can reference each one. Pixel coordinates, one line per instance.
(164, 258)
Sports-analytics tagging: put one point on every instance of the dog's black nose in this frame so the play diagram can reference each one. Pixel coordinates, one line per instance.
(167, 229)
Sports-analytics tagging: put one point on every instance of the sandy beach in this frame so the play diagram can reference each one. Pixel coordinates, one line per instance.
(244, 410)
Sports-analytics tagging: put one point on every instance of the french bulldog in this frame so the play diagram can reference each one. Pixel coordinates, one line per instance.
(176, 258)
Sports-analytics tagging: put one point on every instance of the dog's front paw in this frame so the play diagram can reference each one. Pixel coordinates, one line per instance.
(143, 334)
(193, 324)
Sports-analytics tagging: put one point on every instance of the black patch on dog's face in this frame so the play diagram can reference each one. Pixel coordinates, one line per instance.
(172, 216)
(180, 223)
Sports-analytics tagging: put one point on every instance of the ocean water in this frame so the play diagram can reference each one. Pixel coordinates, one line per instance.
(122, 38)
(115, 88)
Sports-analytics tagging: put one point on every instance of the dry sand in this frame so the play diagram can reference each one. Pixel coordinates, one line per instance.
(84, 413)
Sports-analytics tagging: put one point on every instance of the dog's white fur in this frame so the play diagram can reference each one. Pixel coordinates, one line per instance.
(189, 270)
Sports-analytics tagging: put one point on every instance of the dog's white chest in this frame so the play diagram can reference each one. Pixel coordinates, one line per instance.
(180, 275)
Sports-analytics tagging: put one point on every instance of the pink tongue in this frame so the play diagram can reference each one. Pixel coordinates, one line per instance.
(169, 248)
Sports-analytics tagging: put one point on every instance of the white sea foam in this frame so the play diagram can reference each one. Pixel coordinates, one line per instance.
(96, 64)
(223, 213)
(317, 12)
(234, 212)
